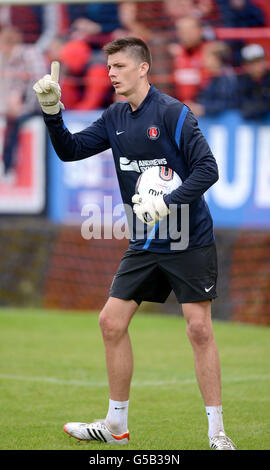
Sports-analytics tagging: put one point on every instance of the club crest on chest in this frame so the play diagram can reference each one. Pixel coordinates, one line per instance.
(153, 132)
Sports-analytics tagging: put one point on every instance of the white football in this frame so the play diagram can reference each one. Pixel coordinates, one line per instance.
(157, 181)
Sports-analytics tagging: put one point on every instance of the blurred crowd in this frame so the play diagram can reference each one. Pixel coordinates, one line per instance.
(209, 75)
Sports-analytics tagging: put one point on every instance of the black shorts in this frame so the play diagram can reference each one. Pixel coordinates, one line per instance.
(146, 276)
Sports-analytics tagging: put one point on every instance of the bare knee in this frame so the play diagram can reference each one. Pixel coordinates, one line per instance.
(199, 323)
(199, 333)
(115, 317)
(112, 330)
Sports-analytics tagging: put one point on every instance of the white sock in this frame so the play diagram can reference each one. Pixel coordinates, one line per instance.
(117, 416)
(215, 420)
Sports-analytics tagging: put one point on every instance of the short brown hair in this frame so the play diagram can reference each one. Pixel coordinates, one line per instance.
(135, 46)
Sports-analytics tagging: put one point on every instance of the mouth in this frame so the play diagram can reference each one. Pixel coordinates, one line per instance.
(115, 84)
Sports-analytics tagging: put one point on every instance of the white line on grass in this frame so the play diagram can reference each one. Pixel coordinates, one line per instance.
(135, 383)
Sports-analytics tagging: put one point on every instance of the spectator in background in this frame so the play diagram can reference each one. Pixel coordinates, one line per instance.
(207, 11)
(254, 83)
(129, 25)
(103, 15)
(187, 58)
(85, 82)
(53, 50)
(37, 24)
(112, 21)
(219, 91)
(177, 9)
(93, 22)
(20, 65)
(240, 14)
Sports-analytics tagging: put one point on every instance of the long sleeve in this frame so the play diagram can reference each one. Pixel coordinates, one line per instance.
(203, 171)
(71, 147)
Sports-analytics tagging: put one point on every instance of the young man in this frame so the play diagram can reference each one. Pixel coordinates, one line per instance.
(150, 268)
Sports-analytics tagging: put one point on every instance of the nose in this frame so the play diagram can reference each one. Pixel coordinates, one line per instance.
(111, 73)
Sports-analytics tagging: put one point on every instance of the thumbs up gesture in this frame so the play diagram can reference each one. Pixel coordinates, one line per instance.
(48, 91)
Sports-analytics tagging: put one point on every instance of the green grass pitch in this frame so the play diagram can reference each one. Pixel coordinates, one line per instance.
(52, 370)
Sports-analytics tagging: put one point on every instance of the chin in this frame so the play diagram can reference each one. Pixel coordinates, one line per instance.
(119, 91)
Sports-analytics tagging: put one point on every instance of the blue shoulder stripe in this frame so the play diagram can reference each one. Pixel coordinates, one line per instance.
(179, 125)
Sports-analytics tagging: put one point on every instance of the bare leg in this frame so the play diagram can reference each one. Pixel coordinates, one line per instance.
(114, 321)
(206, 359)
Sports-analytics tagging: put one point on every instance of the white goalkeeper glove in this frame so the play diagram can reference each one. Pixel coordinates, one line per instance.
(149, 209)
(48, 91)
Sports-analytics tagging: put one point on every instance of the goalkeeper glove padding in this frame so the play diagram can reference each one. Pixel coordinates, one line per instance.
(149, 209)
(48, 91)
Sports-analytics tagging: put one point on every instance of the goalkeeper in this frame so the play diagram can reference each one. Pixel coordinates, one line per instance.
(149, 128)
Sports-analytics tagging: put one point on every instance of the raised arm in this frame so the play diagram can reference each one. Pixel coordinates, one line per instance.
(68, 146)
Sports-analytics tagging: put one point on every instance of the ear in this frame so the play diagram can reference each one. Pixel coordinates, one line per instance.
(144, 68)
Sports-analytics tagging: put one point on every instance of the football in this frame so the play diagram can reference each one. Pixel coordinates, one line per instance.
(157, 181)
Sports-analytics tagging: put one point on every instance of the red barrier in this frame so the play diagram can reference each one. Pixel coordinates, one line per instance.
(242, 33)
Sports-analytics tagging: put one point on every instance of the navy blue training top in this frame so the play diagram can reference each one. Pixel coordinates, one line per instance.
(161, 131)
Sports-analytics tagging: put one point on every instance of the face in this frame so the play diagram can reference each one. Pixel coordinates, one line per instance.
(210, 61)
(237, 4)
(9, 38)
(125, 72)
(189, 32)
(257, 68)
(179, 8)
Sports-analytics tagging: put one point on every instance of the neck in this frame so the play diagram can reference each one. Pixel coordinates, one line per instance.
(136, 97)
